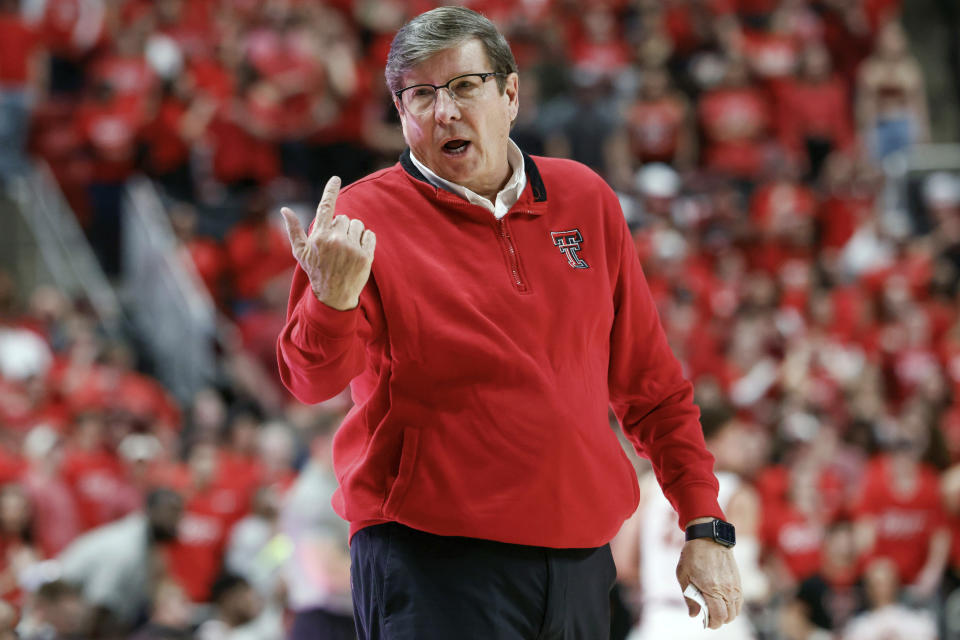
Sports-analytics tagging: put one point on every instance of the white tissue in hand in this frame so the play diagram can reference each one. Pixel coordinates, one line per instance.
(694, 594)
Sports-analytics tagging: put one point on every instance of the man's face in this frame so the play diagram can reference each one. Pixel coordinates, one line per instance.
(165, 517)
(484, 124)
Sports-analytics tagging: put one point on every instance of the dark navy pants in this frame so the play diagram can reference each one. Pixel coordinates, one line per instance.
(411, 585)
(317, 624)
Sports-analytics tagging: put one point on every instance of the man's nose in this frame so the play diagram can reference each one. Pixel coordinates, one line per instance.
(445, 108)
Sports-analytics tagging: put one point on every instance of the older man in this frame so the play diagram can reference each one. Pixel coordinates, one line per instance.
(505, 311)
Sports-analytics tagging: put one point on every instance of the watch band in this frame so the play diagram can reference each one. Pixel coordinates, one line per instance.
(717, 530)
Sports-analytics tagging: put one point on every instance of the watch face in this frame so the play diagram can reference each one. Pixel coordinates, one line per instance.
(724, 532)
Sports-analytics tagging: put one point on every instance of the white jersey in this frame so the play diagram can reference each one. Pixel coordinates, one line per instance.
(661, 541)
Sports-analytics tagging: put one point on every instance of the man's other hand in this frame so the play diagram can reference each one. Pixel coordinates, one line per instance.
(337, 254)
(710, 567)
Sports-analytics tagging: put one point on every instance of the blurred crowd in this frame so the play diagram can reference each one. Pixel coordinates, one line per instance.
(745, 139)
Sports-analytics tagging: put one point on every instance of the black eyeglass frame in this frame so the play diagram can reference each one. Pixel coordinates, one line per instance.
(446, 85)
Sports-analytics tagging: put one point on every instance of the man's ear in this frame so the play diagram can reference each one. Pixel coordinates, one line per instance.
(400, 113)
(511, 89)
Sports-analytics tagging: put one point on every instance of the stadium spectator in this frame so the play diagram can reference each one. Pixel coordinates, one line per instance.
(735, 119)
(886, 617)
(205, 253)
(891, 101)
(171, 615)
(950, 490)
(254, 548)
(8, 621)
(211, 506)
(240, 613)
(257, 252)
(17, 551)
(56, 518)
(648, 545)
(116, 566)
(659, 122)
(22, 85)
(830, 597)
(93, 472)
(57, 611)
(813, 117)
(317, 573)
(899, 515)
(795, 531)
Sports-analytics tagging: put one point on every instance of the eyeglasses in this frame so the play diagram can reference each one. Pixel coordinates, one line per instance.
(420, 98)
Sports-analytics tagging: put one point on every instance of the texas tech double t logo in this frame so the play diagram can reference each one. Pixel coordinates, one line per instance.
(569, 244)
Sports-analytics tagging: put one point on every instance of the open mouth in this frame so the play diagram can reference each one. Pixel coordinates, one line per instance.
(455, 147)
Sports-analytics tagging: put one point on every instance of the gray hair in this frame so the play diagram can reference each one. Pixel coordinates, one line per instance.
(444, 28)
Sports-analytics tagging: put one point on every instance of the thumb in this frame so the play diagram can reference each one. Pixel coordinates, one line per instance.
(694, 599)
(294, 230)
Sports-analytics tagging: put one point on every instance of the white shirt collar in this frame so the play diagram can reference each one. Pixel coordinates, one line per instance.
(507, 197)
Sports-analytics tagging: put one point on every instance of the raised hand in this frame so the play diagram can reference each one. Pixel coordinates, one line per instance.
(336, 255)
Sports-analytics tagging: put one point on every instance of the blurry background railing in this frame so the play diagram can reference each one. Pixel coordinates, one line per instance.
(41, 243)
(171, 311)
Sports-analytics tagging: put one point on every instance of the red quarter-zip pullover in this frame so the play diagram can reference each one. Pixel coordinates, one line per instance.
(483, 357)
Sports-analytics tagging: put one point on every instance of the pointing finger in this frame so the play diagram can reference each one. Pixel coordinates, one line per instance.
(327, 203)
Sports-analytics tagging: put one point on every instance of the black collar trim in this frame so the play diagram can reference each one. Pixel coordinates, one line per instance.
(411, 168)
(533, 176)
(529, 166)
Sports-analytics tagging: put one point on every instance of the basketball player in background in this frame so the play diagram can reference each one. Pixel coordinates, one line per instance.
(648, 547)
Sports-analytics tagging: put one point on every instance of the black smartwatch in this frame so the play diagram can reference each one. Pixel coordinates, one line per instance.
(721, 532)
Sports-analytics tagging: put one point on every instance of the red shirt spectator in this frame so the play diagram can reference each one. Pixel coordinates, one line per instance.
(773, 484)
(814, 106)
(72, 28)
(211, 507)
(848, 37)
(166, 148)
(109, 128)
(130, 77)
(734, 119)
(905, 510)
(238, 154)
(26, 404)
(348, 124)
(756, 7)
(596, 44)
(196, 556)
(18, 44)
(210, 261)
(777, 206)
(257, 252)
(116, 388)
(773, 56)
(796, 539)
(879, 12)
(190, 25)
(840, 215)
(56, 521)
(11, 466)
(655, 127)
(16, 552)
(94, 477)
(656, 122)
